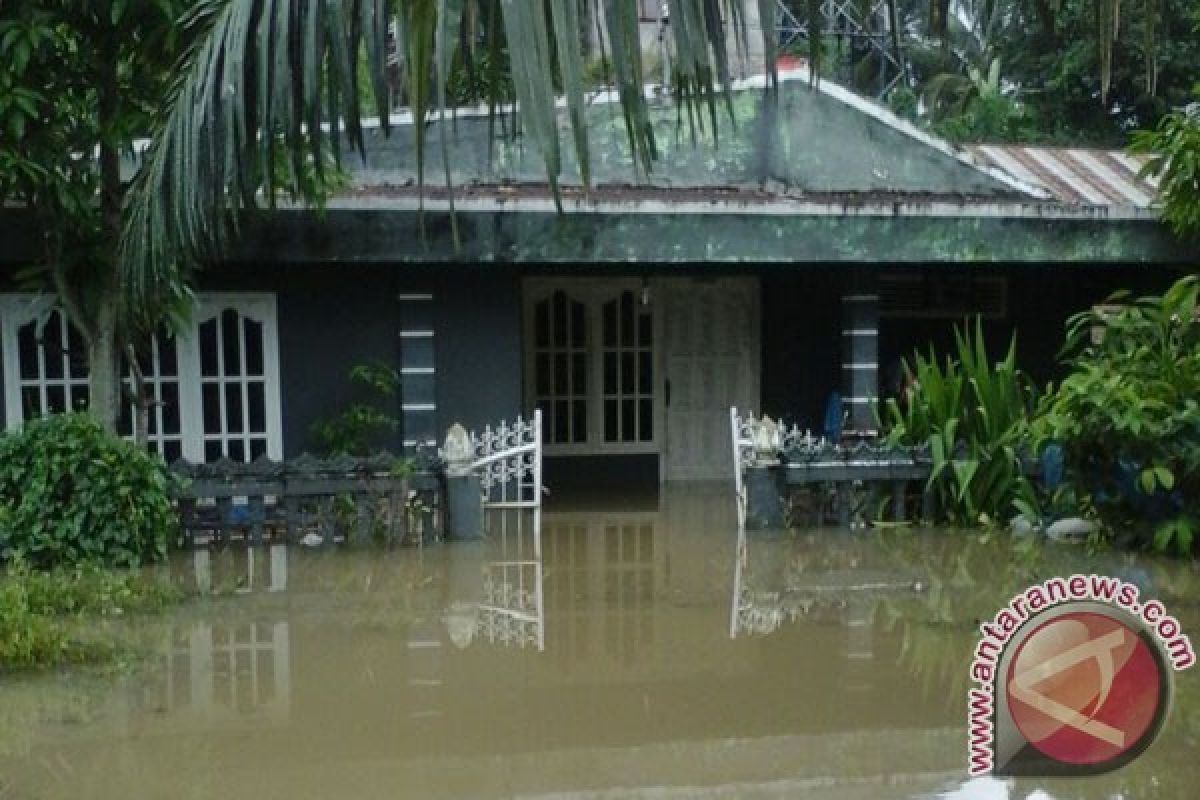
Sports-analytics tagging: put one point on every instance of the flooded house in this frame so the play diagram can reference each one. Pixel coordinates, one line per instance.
(797, 250)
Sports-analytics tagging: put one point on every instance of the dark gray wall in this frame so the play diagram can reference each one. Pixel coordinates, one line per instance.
(478, 341)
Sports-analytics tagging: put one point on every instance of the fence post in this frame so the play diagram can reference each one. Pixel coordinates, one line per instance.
(464, 494)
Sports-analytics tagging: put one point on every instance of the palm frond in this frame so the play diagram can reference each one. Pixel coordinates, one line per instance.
(267, 95)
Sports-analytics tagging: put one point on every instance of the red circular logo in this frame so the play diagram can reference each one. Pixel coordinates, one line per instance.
(1085, 688)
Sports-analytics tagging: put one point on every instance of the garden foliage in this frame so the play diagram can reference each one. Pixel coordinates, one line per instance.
(70, 493)
(973, 414)
(1128, 413)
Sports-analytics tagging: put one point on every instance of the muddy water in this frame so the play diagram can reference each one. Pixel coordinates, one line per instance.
(640, 653)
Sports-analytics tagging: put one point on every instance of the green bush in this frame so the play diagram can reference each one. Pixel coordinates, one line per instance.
(71, 492)
(47, 616)
(1128, 414)
(973, 415)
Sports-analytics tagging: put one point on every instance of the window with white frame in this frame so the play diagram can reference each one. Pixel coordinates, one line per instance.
(212, 391)
(158, 368)
(50, 364)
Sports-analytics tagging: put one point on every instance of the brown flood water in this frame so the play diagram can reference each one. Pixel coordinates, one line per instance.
(649, 661)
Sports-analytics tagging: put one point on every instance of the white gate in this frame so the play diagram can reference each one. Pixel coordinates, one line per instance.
(508, 460)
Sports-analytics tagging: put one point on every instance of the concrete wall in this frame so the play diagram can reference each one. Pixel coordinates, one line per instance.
(478, 340)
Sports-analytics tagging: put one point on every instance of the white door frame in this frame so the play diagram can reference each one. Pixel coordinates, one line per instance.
(592, 291)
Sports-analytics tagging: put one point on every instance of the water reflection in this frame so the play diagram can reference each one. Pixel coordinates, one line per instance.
(216, 673)
(603, 654)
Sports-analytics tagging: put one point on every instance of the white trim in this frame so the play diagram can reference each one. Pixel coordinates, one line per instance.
(416, 334)
(418, 407)
(862, 365)
(859, 400)
(417, 370)
(415, 296)
(860, 332)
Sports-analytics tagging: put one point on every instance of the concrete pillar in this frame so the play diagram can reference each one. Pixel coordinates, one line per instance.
(764, 500)
(464, 508)
(418, 376)
(860, 361)
(464, 492)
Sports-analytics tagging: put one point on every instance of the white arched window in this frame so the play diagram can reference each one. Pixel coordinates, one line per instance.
(213, 387)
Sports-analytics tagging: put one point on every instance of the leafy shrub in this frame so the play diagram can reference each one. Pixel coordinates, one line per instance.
(1128, 414)
(358, 428)
(973, 415)
(45, 614)
(71, 492)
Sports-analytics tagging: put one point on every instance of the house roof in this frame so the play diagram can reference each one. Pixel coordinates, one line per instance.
(1075, 175)
(816, 150)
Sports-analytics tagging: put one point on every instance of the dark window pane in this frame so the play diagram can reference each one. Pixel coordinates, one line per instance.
(233, 407)
(237, 450)
(125, 420)
(27, 350)
(145, 361)
(170, 409)
(254, 346)
(167, 363)
(610, 420)
(578, 328)
(627, 365)
(208, 348)
(31, 402)
(76, 353)
(579, 374)
(562, 420)
(541, 324)
(212, 450)
(172, 451)
(53, 347)
(230, 341)
(610, 324)
(628, 420)
(626, 319)
(257, 397)
(541, 375)
(152, 421)
(560, 373)
(610, 373)
(645, 372)
(646, 419)
(579, 424)
(56, 399)
(79, 397)
(258, 448)
(560, 319)
(645, 330)
(211, 400)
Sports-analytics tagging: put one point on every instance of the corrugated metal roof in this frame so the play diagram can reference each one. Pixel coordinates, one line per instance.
(1074, 175)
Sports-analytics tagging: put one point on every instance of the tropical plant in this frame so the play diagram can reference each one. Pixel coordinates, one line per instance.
(79, 81)
(1175, 162)
(972, 415)
(71, 492)
(1128, 413)
(357, 429)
